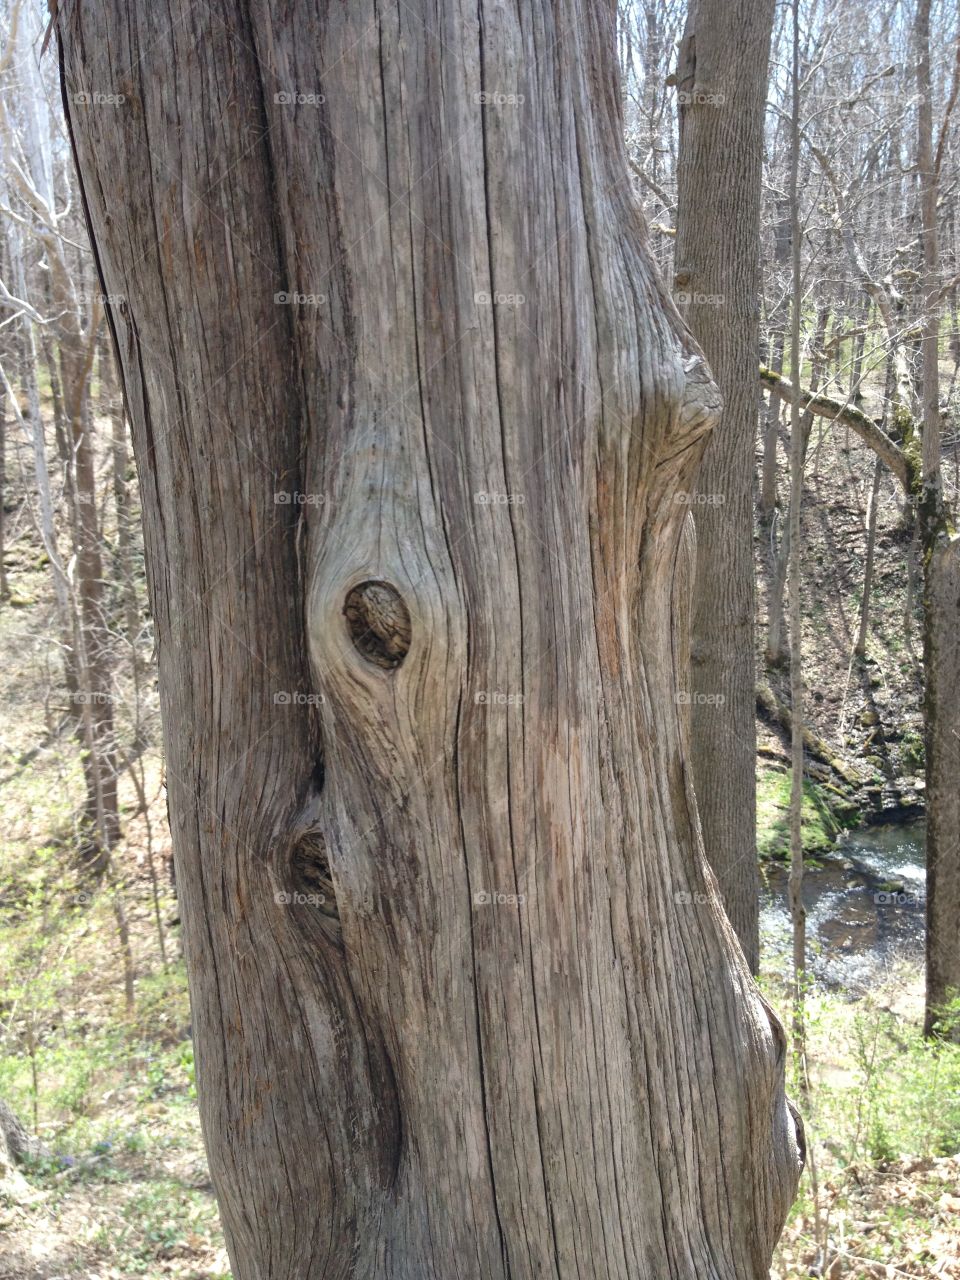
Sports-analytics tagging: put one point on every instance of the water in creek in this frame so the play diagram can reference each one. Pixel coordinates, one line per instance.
(865, 908)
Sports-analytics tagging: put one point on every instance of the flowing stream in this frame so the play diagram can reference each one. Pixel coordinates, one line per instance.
(865, 908)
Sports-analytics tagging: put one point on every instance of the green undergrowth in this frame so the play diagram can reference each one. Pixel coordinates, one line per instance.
(882, 1127)
(121, 1188)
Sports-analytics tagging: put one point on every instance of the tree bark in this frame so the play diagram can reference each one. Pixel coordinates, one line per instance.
(942, 742)
(798, 914)
(941, 601)
(779, 317)
(722, 79)
(860, 646)
(119, 463)
(779, 577)
(4, 581)
(465, 1001)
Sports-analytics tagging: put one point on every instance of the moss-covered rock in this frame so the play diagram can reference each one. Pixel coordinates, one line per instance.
(826, 812)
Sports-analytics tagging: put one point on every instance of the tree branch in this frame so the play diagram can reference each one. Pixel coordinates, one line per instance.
(850, 416)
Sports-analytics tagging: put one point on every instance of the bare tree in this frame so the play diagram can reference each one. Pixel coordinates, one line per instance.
(30, 202)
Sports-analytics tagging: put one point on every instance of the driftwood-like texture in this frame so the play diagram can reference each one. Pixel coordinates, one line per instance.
(413, 414)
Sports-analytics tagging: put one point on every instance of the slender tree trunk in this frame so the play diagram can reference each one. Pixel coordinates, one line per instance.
(797, 457)
(652, 85)
(942, 741)
(465, 999)
(771, 435)
(87, 669)
(779, 317)
(722, 80)
(776, 647)
(862, 323)
(34, 426)
(4, 582)
(954, 349)
(76, 363)
(860, 647)
(4, 267)
(119, 459)
(684, 588)
(941, 604)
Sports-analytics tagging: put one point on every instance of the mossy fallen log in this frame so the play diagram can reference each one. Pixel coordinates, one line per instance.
(773, 709)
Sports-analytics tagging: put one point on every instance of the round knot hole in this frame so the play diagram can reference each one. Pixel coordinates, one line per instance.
(379, 623)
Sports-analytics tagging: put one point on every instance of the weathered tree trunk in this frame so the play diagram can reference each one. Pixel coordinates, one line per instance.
(722, 79)
(465, 1000)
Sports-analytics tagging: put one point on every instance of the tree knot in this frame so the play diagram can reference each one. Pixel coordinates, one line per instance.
(379, 623)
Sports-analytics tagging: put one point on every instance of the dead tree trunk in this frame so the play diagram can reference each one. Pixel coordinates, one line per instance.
(722, 80)
(412, 411)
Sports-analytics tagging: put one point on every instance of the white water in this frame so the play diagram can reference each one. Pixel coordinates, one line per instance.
(865, 909)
